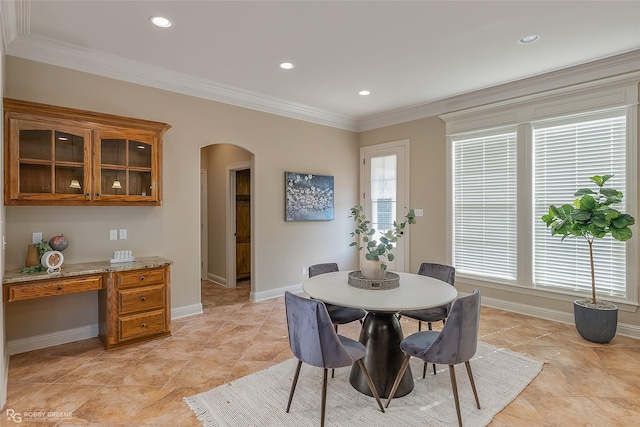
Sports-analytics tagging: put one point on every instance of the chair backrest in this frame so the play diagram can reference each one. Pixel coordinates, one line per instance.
(458, 340)
(328, 267)
(446, 273)
(311, 335)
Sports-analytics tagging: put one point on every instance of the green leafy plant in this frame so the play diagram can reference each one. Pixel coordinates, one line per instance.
(591, 217)
(374, 250)
(42, 248)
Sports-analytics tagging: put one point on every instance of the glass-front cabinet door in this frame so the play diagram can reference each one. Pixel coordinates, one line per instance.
(68, 157)
(52, 162)
(126, 164)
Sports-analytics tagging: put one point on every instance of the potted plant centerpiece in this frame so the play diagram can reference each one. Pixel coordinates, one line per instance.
(592, 217)
(374, 266)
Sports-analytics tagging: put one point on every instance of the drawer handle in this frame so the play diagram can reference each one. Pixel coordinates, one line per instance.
(59, 287)
(141, 278)
(143, 325)
(143, 298)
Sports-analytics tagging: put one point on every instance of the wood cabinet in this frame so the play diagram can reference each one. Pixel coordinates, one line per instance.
(63, 156)
(133, 298)
(47, 288)
(137, 306)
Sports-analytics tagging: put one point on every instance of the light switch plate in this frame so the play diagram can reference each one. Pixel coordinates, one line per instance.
(419, 212)
(36, 237)
(123, 233)
(113, 234)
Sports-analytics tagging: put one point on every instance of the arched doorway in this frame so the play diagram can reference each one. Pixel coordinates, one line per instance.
(226, 214)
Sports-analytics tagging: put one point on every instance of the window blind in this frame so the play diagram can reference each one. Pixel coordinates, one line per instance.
(485, 205)
(565, 156)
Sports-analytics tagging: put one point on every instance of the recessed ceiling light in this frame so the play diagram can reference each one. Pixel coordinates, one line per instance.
(160, 21)
(364, 92)
(529, 38)
(286, 65)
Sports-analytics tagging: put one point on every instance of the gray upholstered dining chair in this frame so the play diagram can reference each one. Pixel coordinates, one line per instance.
(446, 273)
(339, 315)
(314, 341)
(457, 343)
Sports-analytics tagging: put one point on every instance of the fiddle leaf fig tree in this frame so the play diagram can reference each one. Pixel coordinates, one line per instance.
(591, 217)
(375, 250)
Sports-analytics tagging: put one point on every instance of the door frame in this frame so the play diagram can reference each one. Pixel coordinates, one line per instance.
(231, 220)
(204, 226)
(403, 144)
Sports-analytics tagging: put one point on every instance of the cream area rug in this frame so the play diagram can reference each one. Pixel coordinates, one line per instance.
(260, 399)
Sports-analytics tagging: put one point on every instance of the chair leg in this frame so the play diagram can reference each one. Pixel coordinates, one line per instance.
(396, 383)
(424, 370)
(324, 397)
(419, 325)
(333, 371)
(454, 386)
(293, 384)
(425, 364)
(372, 386)
(473, 384)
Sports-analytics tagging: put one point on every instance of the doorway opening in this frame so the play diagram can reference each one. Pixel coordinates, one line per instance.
(226, 215)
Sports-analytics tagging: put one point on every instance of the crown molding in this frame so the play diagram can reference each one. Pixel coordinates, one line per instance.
(65, 55)
(617, 65)
(14, 20)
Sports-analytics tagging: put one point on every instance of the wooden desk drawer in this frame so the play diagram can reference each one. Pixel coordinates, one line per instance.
(140, 325)
(51, 287)
(131, 279)
(140, 299)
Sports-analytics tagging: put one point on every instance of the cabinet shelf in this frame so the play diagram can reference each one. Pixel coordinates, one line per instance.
(63, 156)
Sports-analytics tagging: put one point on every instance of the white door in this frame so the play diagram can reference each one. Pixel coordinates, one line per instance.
(385, 193)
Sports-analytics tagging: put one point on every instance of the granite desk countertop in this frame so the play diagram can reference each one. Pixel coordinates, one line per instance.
(98, 267)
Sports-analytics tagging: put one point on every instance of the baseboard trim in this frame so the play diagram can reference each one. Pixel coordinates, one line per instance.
(275, 293)
(186, 311)
(218, 279)
(625, 329)
(37, 342)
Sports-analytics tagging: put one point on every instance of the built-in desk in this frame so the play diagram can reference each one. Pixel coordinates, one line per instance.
(134, 297)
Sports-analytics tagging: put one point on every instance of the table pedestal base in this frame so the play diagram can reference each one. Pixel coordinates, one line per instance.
(381, 334)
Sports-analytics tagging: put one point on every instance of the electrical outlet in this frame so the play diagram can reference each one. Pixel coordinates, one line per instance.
(303, 271)
(36, 237)
(113, 234)
(123, 234)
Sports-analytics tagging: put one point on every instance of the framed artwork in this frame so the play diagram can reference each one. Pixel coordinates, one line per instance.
(308, 197)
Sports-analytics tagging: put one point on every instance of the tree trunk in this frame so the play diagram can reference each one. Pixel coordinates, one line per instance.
(593, 272)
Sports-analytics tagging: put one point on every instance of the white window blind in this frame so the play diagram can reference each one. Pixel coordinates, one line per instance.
(485, 205)
(565, 156)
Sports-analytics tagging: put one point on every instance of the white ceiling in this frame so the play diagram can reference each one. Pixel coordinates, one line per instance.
(408, 54)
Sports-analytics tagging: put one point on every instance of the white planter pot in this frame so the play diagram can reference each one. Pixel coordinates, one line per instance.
(372, 270)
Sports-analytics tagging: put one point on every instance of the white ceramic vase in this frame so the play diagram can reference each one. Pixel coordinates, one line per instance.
(372, 270)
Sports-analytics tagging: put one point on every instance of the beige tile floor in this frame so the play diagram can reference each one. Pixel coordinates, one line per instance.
(581, 384)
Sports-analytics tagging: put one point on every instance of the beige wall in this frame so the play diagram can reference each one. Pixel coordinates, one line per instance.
(216, 159)
(429, 236)
(278, 144)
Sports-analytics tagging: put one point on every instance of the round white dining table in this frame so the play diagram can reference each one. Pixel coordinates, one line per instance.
(381, 332)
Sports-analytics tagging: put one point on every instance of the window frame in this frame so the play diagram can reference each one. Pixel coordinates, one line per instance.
(561, 104)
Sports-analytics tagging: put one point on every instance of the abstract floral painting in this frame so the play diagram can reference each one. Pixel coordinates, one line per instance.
(308, 197)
